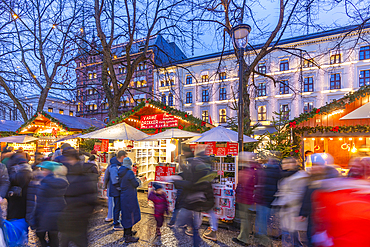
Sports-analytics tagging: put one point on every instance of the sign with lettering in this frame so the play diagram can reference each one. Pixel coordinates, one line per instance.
(163, 171)
(158, 121)
(104, 145)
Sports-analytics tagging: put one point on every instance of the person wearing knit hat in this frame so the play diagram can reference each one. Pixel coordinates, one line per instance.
(50, 202)
(158, 197)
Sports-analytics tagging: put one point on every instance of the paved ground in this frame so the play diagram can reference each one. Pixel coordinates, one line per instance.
(102, 234)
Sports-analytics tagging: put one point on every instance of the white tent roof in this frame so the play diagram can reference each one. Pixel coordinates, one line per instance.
(120, 131)
(171, 133)
(18, 139)
(362, 112)
(220, 134)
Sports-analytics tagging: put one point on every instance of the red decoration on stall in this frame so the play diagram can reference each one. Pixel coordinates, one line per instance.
(186, 115)
(156, 131)
(147, 101)
(104, 145)
(335, 129)
(203, 123)
(113, 122)
(293, 124)
(296, 151)
(181, 127)
(158, 121)
(164, 107)
(132, 110)
(318, 110)
(316, 148)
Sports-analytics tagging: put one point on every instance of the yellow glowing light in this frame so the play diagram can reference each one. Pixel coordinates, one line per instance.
(313, 139)
(340, 139)
(15, 16)
(330, 139)
(304, 139)
(350, 139)
(322, 139)
(171, 147)
(81, 29)
(335, 112)
(54, 26)
(354, 150)
(324, 155)
(360, 138)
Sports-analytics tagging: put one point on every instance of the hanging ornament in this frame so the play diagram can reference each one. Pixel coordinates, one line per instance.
(186, 115)
(316, 147)
(318, 110)
(345, 146)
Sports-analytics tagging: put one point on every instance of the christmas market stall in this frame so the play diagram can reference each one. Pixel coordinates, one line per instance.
(341, 128)
(8, 128)
(50, 127)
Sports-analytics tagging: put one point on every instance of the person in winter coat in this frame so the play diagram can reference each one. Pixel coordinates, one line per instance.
(268, 178)
(6, 154)
(159, 198)
(114, 187)
(33, 186)
(50, 202)
(110, 201)
(197, 191)
(245, 195)
(20, 175)
(129, 202)
(58, 155)
(4, 183)
(341, 208)
(81, 199)
(319, 171)
(289, 200)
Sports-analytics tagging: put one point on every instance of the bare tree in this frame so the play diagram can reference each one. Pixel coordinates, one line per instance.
(38, 46)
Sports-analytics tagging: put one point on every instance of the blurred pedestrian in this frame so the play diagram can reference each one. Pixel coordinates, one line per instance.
(268, 177)
(81, 199)
(319, 171)
(4, 184)
(289, 200)
(198, 192)
(341, 208)
(129, 202)
(58, 155)
(38, 159)
(245, 195)
(20, 175)
(114, 187)
(50, 202)
(6, 154)
(159, 198)
(307, 160)
(21, 151)
(110, 200)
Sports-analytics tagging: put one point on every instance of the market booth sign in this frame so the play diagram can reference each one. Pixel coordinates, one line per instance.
(158, 121)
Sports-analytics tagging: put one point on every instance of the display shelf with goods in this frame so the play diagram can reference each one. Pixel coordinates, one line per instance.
(149, 154)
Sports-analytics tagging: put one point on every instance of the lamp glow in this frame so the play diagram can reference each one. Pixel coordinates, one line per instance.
(171, 147)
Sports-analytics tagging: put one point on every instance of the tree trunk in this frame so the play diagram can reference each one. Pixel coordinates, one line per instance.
(247, 102)
(113, 108)
(42, 100)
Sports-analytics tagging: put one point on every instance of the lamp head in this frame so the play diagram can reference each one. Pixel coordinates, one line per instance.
(240, 35)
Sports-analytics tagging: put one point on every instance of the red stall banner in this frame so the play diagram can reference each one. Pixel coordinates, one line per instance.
(232, 148)
(104, 145)
(97, 146)
(158, 121)
(217, 149)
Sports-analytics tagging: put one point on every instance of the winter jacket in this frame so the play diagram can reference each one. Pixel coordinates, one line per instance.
(4, 180)
(20, 175)
(106, 178)
(50, 202)
(247, 180)
(33, 186)
(289, 199)
(113, 177)
(129, 203)
(268, 178)
(196, 184)
(160, 203)
(342, 209)
(80, 196)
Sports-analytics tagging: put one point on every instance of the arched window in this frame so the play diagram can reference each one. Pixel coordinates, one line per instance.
(163, 99)
(170, 99)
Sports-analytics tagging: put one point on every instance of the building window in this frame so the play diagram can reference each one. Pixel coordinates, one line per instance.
(50, 109)
(120, 70)
(335, 81)
(61, 111)
(163, 99)
(308, 84)
(170, 99)
(261, 68)
(364, 78)
(205, 96)
(261, 90)
(162, 84)
(189, 97)
(189, 79)
(262, 113)
(71, 113)
(222, 115)
(144, 83)
(222, 95)
(284, 65)
(364, 52)
(335, 59)
(205, 78)
(308, 106)
(205, 116)
(222, 76)
(284, 88)
(307, 63)
(96, 75)
(284, 109)
(90, 76)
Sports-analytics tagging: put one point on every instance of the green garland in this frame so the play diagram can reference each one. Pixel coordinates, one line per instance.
(183, 115)
(52, 119)
(7, 133)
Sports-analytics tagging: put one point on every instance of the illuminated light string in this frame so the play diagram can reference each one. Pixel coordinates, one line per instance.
(335, 112)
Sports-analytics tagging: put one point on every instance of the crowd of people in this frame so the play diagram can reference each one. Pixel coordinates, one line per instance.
(315, 204)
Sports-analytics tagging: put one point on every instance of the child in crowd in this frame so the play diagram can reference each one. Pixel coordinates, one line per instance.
(159, 198)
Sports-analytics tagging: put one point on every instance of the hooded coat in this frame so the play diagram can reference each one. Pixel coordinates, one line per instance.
(80, 196)
(268, 178)
(247, 180)
(113, 177)
(50, 202)
(129, 203)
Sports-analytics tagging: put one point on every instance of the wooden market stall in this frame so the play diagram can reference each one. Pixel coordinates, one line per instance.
(8, 128)
(50, 127)
(341, 128)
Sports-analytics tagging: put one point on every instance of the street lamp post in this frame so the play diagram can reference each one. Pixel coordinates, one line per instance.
(240, 40)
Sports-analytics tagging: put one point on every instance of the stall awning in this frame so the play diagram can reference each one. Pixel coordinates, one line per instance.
(220, 134)
(362, 112)
(171, 133)
(120, 131)
(18, 139)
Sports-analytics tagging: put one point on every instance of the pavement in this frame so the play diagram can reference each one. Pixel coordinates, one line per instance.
(101, 233)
